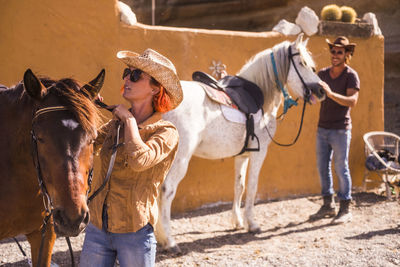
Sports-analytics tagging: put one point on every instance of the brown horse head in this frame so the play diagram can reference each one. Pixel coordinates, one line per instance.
(64, 126)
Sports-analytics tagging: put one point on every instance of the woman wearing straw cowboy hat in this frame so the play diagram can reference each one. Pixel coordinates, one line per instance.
(341, 84)
(123, 215)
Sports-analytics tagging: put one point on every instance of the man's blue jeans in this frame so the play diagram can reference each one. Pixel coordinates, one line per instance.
(101, 248)
(334, 142)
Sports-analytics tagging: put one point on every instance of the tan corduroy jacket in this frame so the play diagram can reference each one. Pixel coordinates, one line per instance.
(132, 191)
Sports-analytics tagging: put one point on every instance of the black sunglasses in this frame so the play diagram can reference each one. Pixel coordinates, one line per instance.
(134, 74)
(334, 52)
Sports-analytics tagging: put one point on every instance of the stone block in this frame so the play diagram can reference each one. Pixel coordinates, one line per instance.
(287, 28)
(337, 28)
(126, 14)
(308, 21)
(371, 19)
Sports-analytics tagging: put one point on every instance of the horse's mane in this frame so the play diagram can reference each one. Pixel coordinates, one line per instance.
(69, 92)
(259, 70)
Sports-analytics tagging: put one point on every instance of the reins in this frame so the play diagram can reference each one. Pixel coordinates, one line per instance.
(112, 159)
(289, 102)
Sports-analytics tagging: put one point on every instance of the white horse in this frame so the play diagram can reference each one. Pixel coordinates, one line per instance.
(205, 133)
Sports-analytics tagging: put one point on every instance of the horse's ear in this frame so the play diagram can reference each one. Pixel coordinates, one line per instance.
(93, 87)
(33, 86)
(299, 39)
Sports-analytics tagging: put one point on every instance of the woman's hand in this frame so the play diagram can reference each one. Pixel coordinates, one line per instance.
(98, 97)
(122, 113)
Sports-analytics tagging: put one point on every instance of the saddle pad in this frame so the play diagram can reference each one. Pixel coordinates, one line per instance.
(218, 96)
(235, 115)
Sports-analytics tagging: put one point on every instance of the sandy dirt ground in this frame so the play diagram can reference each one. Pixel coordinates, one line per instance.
(206, 237)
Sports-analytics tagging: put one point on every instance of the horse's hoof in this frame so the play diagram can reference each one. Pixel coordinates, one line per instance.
(238, 226)
(175, 250)
(255, 230)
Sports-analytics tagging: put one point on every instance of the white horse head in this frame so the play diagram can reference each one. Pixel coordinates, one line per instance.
(294, 66)
(303, 62)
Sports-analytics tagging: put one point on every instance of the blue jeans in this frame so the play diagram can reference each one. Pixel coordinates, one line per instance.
(336, 143)
(102, 248)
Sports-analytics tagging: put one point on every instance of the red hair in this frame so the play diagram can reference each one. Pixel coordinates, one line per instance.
(162, 101)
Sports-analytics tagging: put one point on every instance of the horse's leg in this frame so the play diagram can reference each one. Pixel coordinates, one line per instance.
(35, 239)
(241, 163)
(168, 192)
(255, 165)
(256, 161)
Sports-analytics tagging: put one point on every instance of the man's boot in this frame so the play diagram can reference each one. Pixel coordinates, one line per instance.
(344, 215)
(328, 209)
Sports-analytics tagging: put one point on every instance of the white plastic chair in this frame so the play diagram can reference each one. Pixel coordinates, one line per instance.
(377, 141)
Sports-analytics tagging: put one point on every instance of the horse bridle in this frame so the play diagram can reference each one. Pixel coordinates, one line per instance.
(307, 91)
(48, 205)
(306, 96)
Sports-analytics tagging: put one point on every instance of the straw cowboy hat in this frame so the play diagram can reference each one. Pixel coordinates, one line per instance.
(342, 41)
(158, 67)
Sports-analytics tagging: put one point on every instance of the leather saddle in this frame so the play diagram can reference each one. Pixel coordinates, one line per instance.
(246, 95)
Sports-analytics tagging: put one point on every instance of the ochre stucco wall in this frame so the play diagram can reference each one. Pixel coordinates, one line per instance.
(77, 39)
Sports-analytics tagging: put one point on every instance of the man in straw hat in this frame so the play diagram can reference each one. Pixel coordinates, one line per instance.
(341, 84)
(123, 215)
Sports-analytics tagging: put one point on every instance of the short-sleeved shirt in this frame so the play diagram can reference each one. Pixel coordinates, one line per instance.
(333, 115)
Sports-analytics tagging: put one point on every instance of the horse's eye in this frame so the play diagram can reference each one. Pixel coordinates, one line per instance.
(41, 140)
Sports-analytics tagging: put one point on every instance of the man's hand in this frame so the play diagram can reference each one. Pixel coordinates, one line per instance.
(326, 88)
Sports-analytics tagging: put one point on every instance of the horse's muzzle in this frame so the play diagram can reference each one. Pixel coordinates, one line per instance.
(317, 90)
(64, 226)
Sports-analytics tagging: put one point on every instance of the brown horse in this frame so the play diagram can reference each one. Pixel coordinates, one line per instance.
(47, 129)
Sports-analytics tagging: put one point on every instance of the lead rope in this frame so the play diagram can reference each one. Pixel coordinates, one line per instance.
(298, 133)
(110, 166)
(113, 155)
(43, 232)
(23, 251)
(71, 252)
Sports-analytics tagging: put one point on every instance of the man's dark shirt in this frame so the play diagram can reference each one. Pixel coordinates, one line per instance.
(333, 115)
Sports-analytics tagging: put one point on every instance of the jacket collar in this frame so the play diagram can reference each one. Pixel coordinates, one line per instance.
(150, 120)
